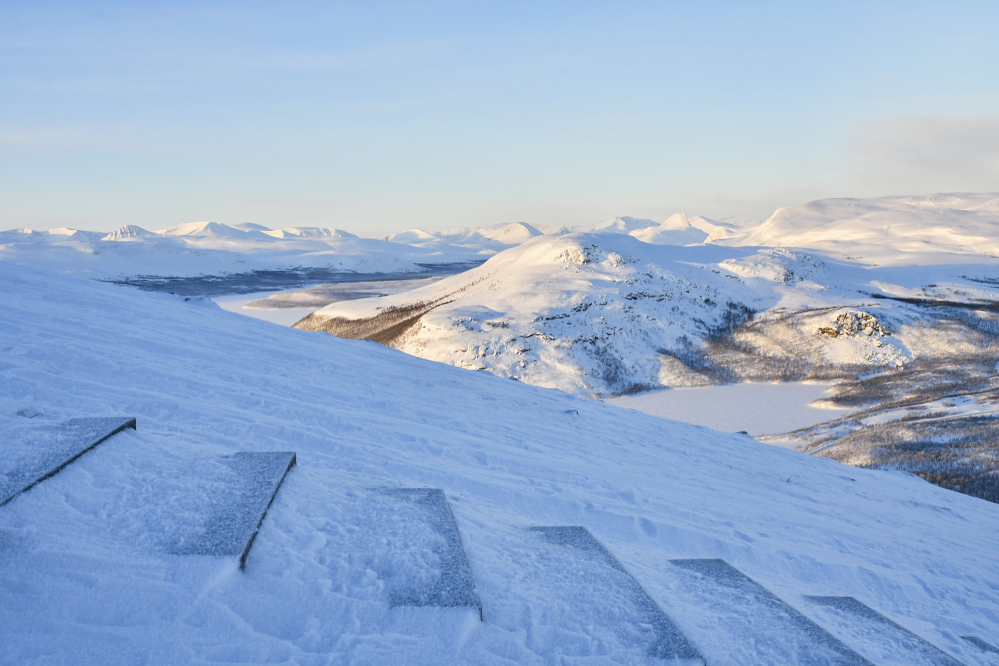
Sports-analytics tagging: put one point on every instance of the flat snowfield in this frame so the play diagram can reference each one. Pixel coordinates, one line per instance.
(90, 563)
(756, 407)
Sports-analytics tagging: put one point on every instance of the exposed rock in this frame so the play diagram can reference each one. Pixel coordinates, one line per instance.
(855, 323)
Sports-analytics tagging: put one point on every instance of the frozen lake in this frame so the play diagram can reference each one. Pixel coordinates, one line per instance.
(757, 408)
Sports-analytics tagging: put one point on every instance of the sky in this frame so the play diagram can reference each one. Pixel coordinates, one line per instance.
(377, 117)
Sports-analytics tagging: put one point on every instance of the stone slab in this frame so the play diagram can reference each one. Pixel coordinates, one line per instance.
(763, 627)
(235, 518)
(981, 645)
(28, 457)
(454, 586)
(886, 641)
(601, 569)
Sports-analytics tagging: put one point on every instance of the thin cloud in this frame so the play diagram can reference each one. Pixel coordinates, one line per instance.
(930, 153)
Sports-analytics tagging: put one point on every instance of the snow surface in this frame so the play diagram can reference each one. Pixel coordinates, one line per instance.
(88, 577)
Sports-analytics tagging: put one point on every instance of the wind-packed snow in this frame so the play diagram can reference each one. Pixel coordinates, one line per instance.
(88, 577)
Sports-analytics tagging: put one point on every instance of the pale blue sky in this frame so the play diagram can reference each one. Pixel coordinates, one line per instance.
(377, 117)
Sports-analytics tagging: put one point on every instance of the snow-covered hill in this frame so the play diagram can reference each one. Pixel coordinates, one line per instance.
(586, 313)
(601, 314)
(889, 230)
(88, 577)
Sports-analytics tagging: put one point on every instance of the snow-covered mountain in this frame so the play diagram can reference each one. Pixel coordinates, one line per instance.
(629, 308)
(212, 248)
(90, 572)
(128, 232)
(678, 230)
(309, 232)
(489, 239)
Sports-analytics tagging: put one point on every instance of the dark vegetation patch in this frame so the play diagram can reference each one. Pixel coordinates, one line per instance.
(384, 328)
(387, 327)
(277, 279)
(743, 347)
(957, 453)
(939, 303)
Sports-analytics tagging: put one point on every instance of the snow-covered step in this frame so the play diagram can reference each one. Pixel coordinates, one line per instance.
(449, 583)
(887, 642)
(236, 513)
(712, 598)
(587, 590)
(981, 645)
(37, 451)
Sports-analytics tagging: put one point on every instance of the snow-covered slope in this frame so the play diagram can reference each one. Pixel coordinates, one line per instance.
(87, 578)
